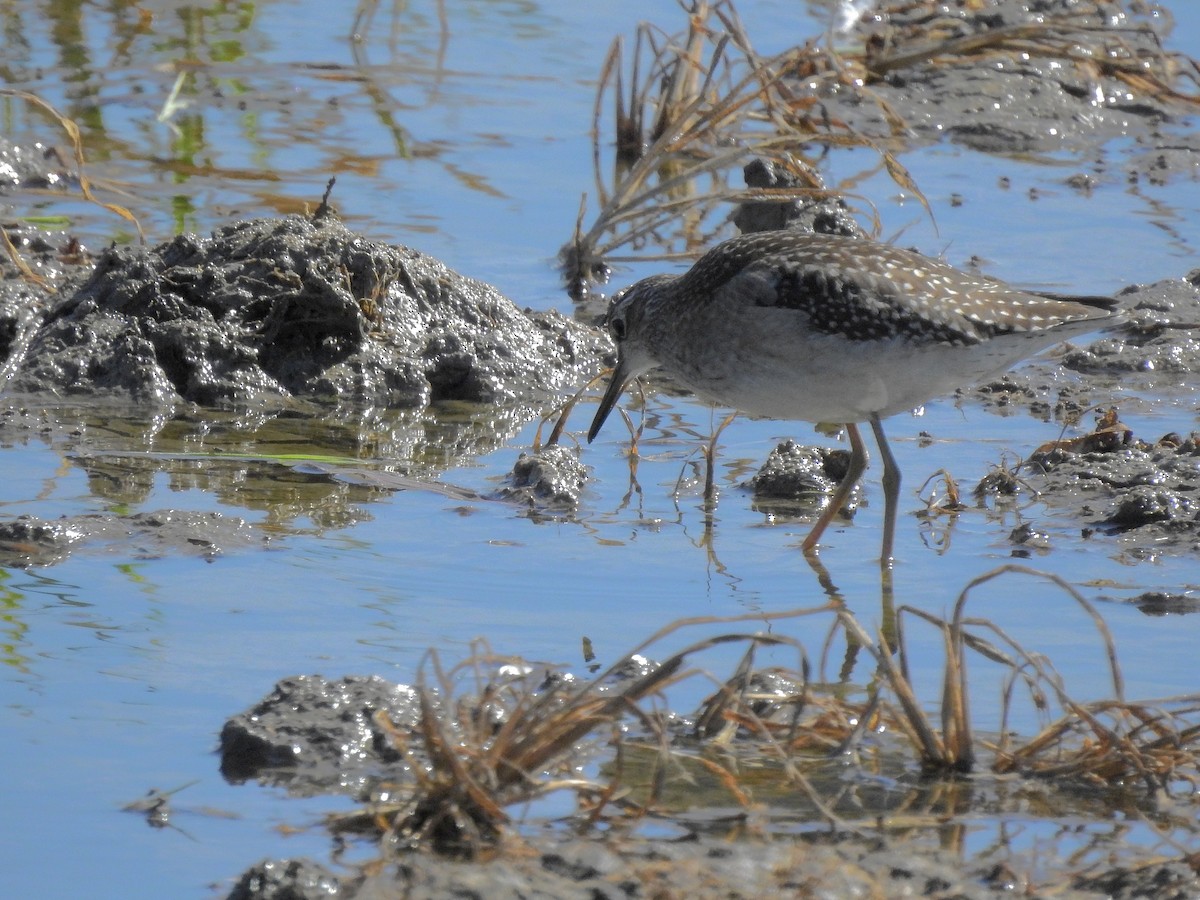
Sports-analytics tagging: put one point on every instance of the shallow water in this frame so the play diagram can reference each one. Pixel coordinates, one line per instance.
(472, 145)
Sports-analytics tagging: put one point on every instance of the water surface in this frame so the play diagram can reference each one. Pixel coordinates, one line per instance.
(470, 143)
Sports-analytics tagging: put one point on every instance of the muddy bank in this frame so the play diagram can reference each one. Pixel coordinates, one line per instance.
(830, 865)
(270, 310)
(1017, 77)
(367, 738)
(31, 541)
(379, 364)
(834, 866)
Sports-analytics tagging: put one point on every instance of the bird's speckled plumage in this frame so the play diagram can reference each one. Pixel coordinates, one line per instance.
(831, 329)
(865, 290)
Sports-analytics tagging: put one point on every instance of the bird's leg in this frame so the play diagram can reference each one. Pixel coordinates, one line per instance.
(858, 465)
(891, 491)
(710, 453)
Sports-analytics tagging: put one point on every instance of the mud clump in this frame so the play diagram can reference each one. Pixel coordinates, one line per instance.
(552, 478)
(27, 541)
(273, 309)
(798, 480)
(293, 879)
(315, 735)
(1142, 488)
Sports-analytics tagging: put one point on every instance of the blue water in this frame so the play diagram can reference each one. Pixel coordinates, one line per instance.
(120, 670)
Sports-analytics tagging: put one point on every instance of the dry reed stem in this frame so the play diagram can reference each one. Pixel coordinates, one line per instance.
(476, 764)
(703, 110)
(17, 260)
(1113, 739)
(72, 129)
(694, 116)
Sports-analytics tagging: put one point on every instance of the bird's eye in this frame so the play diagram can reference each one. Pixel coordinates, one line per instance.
(617, 327)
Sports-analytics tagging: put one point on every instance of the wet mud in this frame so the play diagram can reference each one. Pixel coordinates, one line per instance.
(271, 310)
(315, 736)
(1135, 491)
(291, 333)
(1000, 77)
(30, 541)
(797, 480)
(365, 737)
(834, 865)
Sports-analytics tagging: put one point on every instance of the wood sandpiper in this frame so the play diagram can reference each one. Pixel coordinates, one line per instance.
(831, 329)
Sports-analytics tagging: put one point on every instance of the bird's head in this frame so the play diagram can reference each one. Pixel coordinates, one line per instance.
(627, 323)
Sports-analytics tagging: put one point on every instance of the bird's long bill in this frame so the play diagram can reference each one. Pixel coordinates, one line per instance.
(620, 377)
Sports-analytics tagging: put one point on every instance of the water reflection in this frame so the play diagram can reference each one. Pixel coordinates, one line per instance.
(300, 471)
(14, 630)
(204, 110)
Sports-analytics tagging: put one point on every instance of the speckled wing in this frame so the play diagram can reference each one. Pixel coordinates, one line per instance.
(865, 291)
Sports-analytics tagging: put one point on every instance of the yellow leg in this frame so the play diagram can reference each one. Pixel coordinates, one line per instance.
(891, 491)
(710, 453)
(858, 465)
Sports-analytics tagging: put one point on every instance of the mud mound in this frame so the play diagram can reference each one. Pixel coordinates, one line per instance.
(271, 309)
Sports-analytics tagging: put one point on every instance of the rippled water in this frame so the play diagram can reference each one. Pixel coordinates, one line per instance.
(470, 143)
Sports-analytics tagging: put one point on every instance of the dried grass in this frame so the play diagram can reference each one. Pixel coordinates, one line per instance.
(688, 108)
(515, 736)
(72, 129)
(85, 186)
(699, 104)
